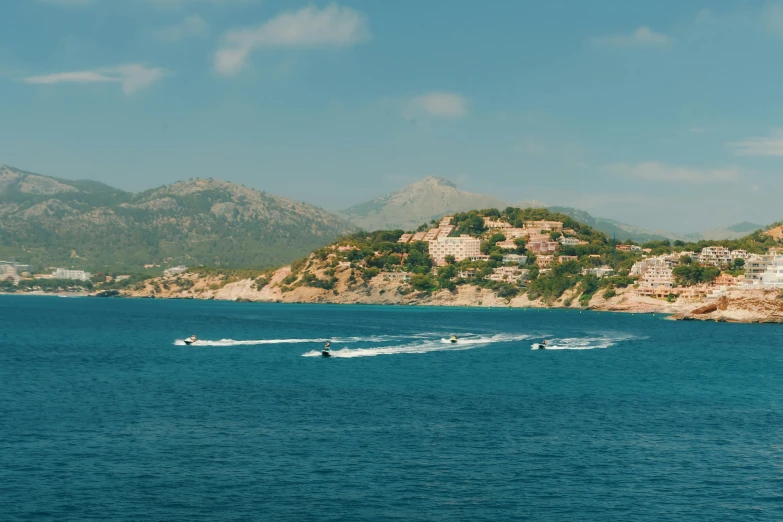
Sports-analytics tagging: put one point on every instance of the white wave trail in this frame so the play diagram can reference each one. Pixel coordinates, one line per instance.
(584, 343)
(441, 345)
(254, 342)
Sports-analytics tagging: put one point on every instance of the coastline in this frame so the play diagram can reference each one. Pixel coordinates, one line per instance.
(741, 306)
(736, 307)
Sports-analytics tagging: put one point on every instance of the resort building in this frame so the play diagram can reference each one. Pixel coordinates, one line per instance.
(764, 271)
(739, 254)
(599, 272)
(568, 241)
(508, 274)
(655, 272)
(544, 261)
(496, 225)
(715, 256)
(543, 247)
(508, 244)
(463, 247)
(554, 226)
(64, 273)
(515, 258)
(395, 277)
(8, 273)
(175, 270)
(405, 238)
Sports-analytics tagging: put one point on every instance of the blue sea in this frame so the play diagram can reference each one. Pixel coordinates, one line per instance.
(105, 414)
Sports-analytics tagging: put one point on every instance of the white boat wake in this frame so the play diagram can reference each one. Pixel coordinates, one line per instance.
(467, 342)
(583, 343)
(256, 342)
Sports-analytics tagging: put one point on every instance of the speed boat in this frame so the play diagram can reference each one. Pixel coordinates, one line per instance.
(190, 340)
(453, 339)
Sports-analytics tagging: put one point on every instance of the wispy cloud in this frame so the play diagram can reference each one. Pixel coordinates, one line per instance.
(654, 171)
(310, 27)
(192, 26)
(761, 146)
(440, 104)
(132, 77)
(642, 37)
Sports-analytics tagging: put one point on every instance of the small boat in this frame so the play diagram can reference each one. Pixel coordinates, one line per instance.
(327, 350)
(453, 339)
(190, 340)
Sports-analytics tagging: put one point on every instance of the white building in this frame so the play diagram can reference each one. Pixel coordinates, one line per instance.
(397, 277)
(175, 270)
(654, 272)
(568, 241)
(599, 272)
(64, 273)
(515, 258)
(8, 272)
(508, 274)
(715, 256)
(739, 254)
(463, 247)
(764, 270)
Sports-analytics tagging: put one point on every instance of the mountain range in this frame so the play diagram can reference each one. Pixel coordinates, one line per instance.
(46, 221)
(433, 197)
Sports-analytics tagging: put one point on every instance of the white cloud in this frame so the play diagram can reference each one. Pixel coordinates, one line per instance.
(441, 104)
(309, 27)
(192, 26)
(642, 37)
(132, 77)
(654, 171)
(761, 146)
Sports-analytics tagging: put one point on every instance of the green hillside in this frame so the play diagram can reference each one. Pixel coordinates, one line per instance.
(84, 224)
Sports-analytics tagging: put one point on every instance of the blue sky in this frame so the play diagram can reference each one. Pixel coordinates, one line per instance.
(665, 114)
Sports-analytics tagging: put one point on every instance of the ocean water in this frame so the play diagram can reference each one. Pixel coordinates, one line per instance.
(106, 415)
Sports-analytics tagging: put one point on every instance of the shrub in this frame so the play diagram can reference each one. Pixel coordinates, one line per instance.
(610, 293)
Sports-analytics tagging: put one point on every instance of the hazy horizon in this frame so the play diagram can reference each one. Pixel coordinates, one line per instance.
(662, 116)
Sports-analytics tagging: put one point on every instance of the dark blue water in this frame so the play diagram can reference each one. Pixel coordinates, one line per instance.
(104, 417)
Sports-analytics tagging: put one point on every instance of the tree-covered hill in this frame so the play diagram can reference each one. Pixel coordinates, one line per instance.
(47, 221)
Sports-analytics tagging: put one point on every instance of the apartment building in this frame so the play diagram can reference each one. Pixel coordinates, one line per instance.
(405, 238)
(542, 247)
(764, 270)
(395, 277)
(8, 273)
(655, 272)
(508, 244)
(599, 272)
(64, 273)
(463, 247)
(563, 259)
(554, 226)
(715, 256)
(508, 274)
(569, 241)
(544, 261)
(515, 258)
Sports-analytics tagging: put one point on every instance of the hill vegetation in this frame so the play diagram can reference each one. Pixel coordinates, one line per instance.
(83, 224)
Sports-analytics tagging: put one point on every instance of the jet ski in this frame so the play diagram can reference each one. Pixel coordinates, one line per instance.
(539, 346)
(190, 340)
(327, 350)
(453, 339)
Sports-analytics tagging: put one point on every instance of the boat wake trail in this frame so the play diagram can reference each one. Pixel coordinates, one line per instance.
(584, 343)
(256, 342)
(467, 342)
